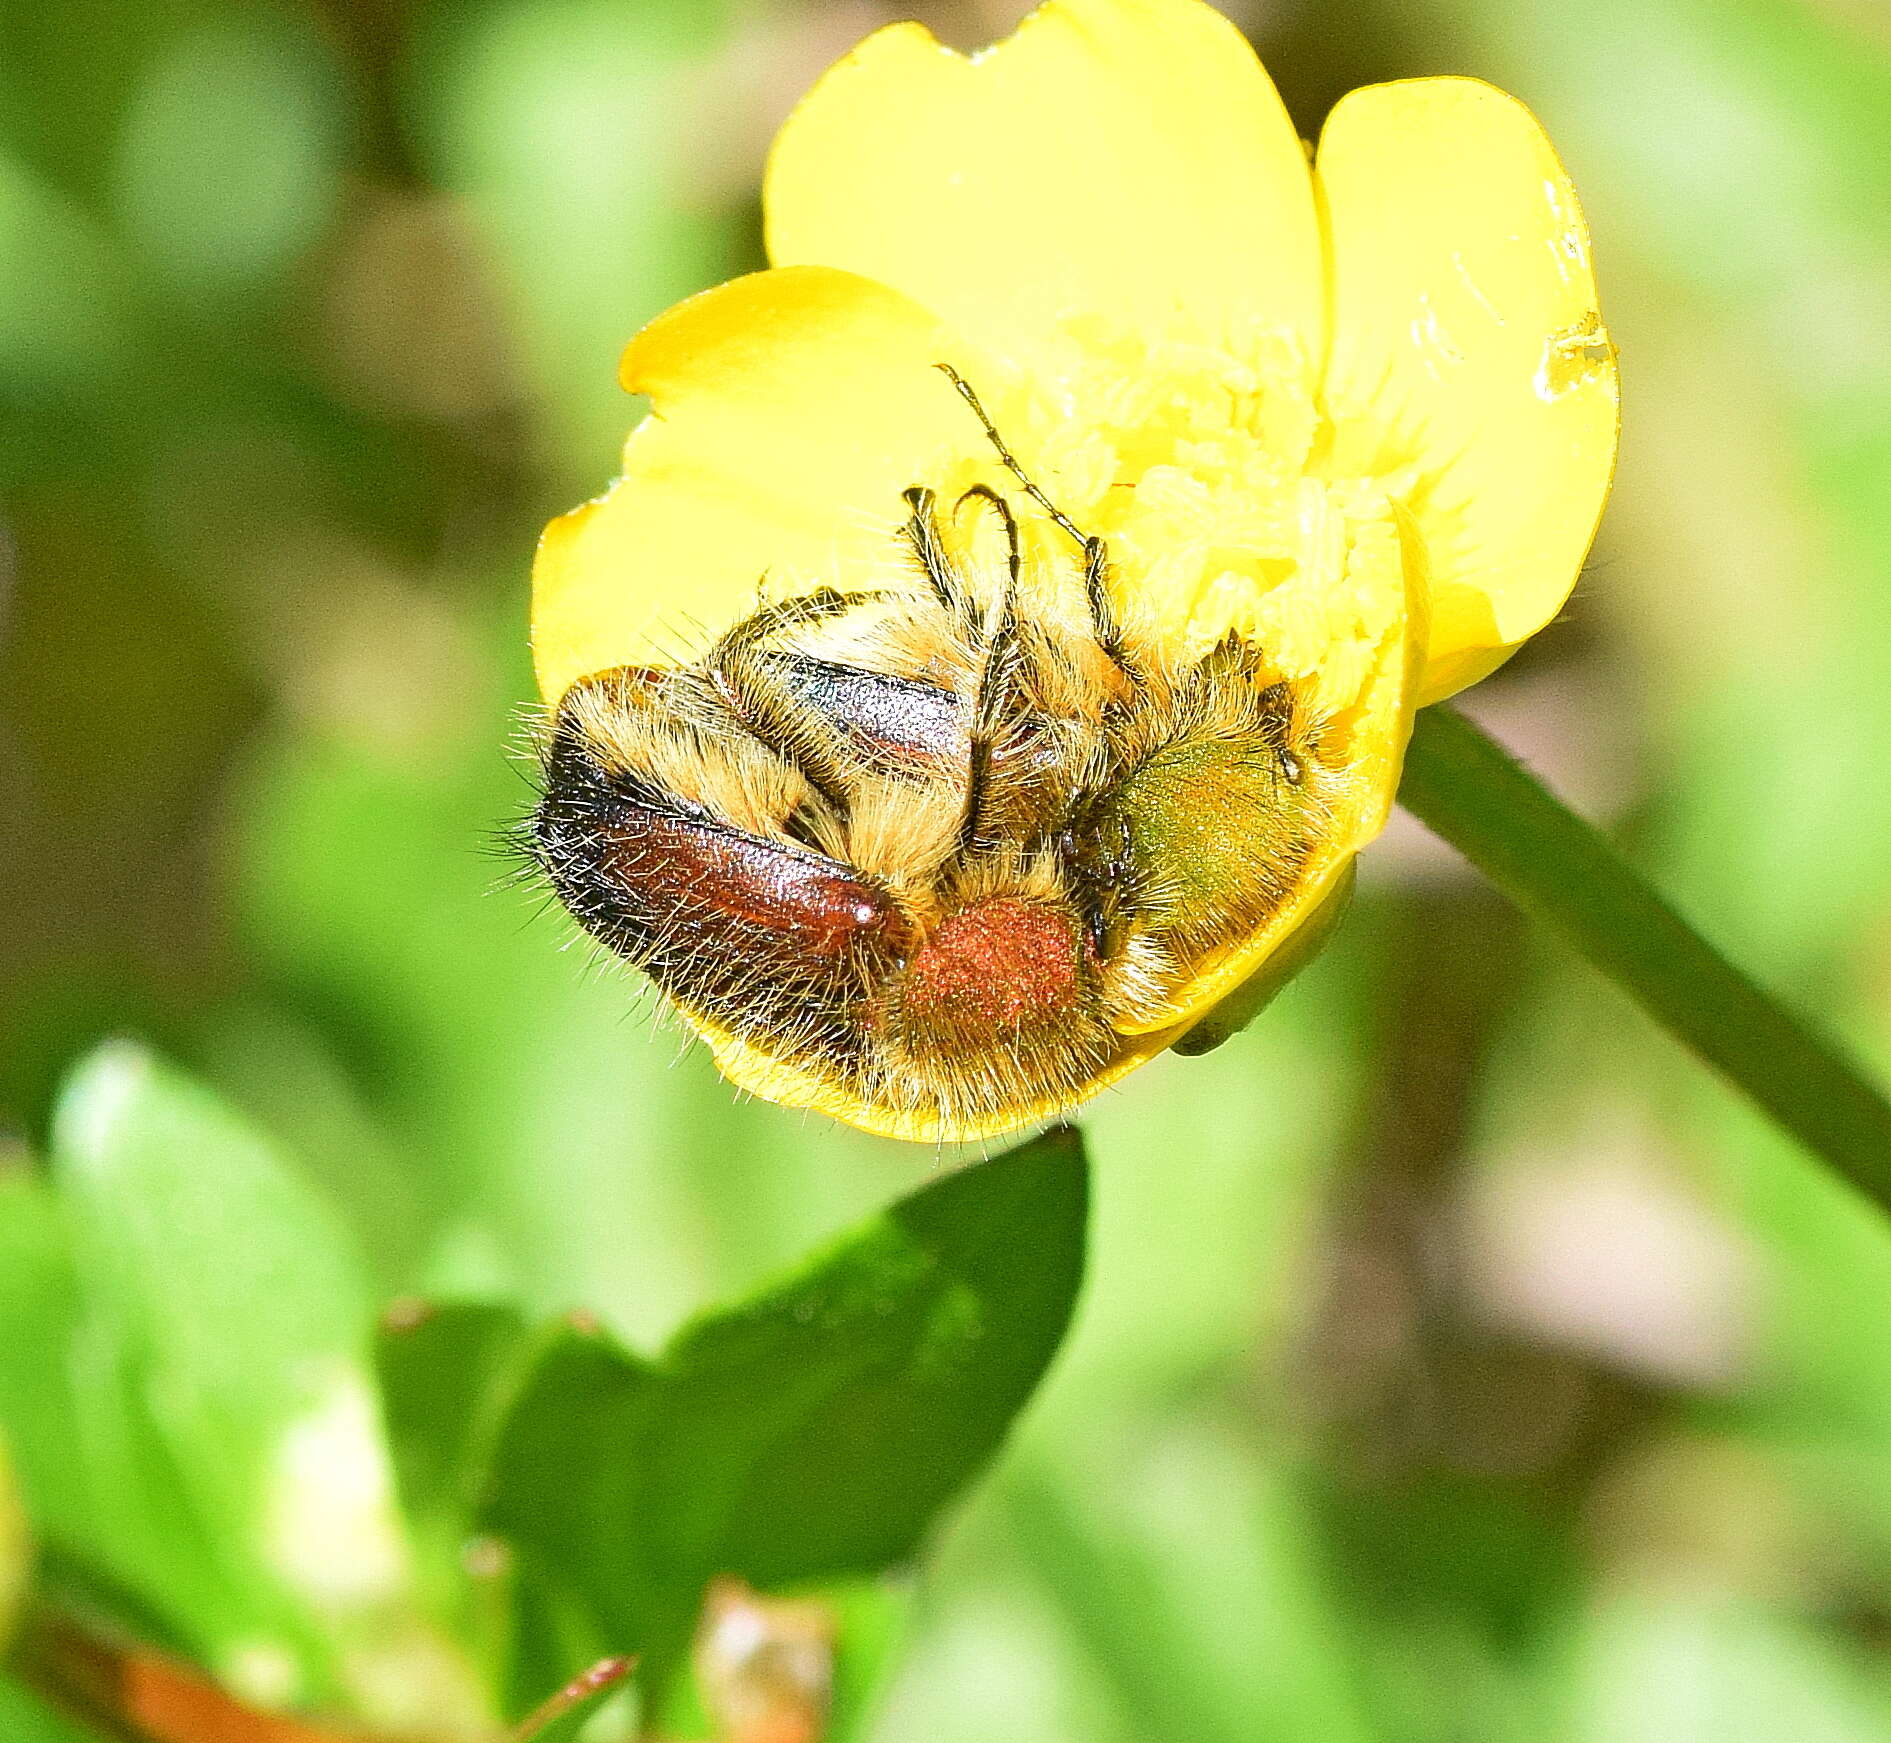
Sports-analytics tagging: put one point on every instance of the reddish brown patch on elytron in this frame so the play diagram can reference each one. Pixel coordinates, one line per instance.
(996, 967)
(711, 888)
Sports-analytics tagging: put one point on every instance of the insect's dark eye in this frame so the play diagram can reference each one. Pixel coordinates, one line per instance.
(1279, 710)
(1094, 850)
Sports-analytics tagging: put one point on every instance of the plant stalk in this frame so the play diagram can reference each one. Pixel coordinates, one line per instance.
(1564, 872)
(133, 1695)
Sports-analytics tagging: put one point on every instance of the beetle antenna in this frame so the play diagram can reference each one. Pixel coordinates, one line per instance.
(1031, 489)
(1095, 557)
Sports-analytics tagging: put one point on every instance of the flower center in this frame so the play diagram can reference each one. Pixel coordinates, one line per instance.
(1197, 457)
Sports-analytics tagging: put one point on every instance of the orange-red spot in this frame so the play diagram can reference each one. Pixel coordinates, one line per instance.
(1001, 964)
(169, 1704)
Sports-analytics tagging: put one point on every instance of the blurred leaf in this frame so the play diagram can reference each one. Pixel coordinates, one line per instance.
(811, 1432)
(100, 1485)
(873, 1623)
(567, 123)
(59, 110)
(228, 152)
(1197, 1595)
(1698, 1669)
(38, 1310)
(228, 1409)
(190, 1227)
(15, 1548)
(67, 303)
(287, 1077)
(24, 1718)
(440, 1366)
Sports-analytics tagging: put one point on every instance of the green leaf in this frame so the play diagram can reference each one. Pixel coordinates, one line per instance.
(812, 1432)
(566, 1490)
(1691, 1669)
(441, 1366)
(873, 1619)
(839, 1411)
(38, 1311)
(226, 1405)
(15, 1548)
(24, 1718)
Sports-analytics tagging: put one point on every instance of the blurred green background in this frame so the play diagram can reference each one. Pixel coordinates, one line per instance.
(1457, 1362)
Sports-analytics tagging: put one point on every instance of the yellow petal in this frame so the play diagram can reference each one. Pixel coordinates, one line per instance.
(1467, 344)
(790, 410)
(1128, 158)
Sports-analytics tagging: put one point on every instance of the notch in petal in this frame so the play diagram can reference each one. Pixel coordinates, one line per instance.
(1128, 158)
(1468, 346)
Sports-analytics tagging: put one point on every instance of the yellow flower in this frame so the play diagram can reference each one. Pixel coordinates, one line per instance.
(1359, 414)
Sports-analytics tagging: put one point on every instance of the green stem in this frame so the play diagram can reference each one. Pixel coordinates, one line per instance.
(1564, 872)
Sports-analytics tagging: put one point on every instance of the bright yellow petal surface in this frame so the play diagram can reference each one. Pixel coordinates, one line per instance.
(1126, 158)
(790, 410)
(1467, 345)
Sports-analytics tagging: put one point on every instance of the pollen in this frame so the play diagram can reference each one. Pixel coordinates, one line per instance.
(996, 967)
(1200, 457)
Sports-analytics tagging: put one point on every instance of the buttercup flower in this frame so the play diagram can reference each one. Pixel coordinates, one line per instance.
(1007, 626)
